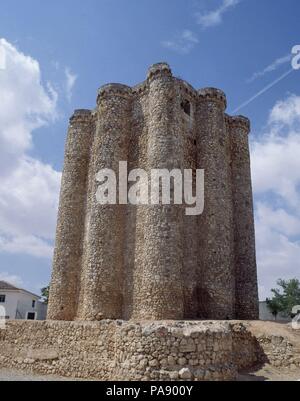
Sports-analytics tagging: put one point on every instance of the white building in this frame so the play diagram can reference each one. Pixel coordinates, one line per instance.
(265, 314)
(21, 304)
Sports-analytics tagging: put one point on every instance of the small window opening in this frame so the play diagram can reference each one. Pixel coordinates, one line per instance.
(186, 107)
(31, 316)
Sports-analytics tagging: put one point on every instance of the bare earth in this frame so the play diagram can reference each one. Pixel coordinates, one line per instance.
(16, 375)
(276, 329)
(268, 373)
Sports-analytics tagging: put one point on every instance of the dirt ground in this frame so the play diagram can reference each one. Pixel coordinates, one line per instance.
(268, 373)
(10, 375)
(276, 329)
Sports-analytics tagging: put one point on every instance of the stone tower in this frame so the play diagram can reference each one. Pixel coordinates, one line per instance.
(154, 262)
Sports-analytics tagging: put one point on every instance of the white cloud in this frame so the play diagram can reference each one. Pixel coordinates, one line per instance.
(71, 79)
(270, 68)
(276, 166)
(28, 199)
(215, 17)
(182, 43)
(276, 180)
(28, 188)
(275, 159)
(11, 279)
(277, 257)
(26, 104)
(279, 220)
(27, 245)
(286, 112)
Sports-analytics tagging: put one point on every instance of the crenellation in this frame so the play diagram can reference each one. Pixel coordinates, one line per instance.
(240, 122)
(187, 88)
(112, 89)
(81, 114)
(158, 69)
(141, 88)
(213, 95)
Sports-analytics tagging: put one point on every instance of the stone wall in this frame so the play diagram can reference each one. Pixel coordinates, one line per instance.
(259, 343)
(118, 350)
(115, 350)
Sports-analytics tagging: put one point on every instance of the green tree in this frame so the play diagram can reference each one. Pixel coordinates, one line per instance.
(274, 307)
(45, 294)
(285, 297)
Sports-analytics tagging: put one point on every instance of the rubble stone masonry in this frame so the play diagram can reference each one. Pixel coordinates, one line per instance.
(154, 262)
(118, 350)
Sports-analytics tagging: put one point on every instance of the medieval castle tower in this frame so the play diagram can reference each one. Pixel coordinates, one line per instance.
(154, 262)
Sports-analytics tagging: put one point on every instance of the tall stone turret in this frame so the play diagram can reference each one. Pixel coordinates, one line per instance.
(244, 234)
(67, 262)
(186, 124)
(103, 271)
(216, 223)
(153, 261)
(158, 288)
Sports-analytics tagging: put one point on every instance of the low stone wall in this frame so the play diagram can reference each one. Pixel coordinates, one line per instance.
(117, 350)
(278, 351)
(259, 343)
(244, 347)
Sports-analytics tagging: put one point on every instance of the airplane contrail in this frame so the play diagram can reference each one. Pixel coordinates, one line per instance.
(262, 91)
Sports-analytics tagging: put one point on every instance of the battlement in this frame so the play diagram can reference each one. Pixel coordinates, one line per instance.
(213, 95)
(81, 115)
(141, 88)
(240, 122)
(159, 69)
(187, 88)
(113, 89)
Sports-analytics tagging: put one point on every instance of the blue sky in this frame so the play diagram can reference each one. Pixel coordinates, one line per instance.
(58, 53)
